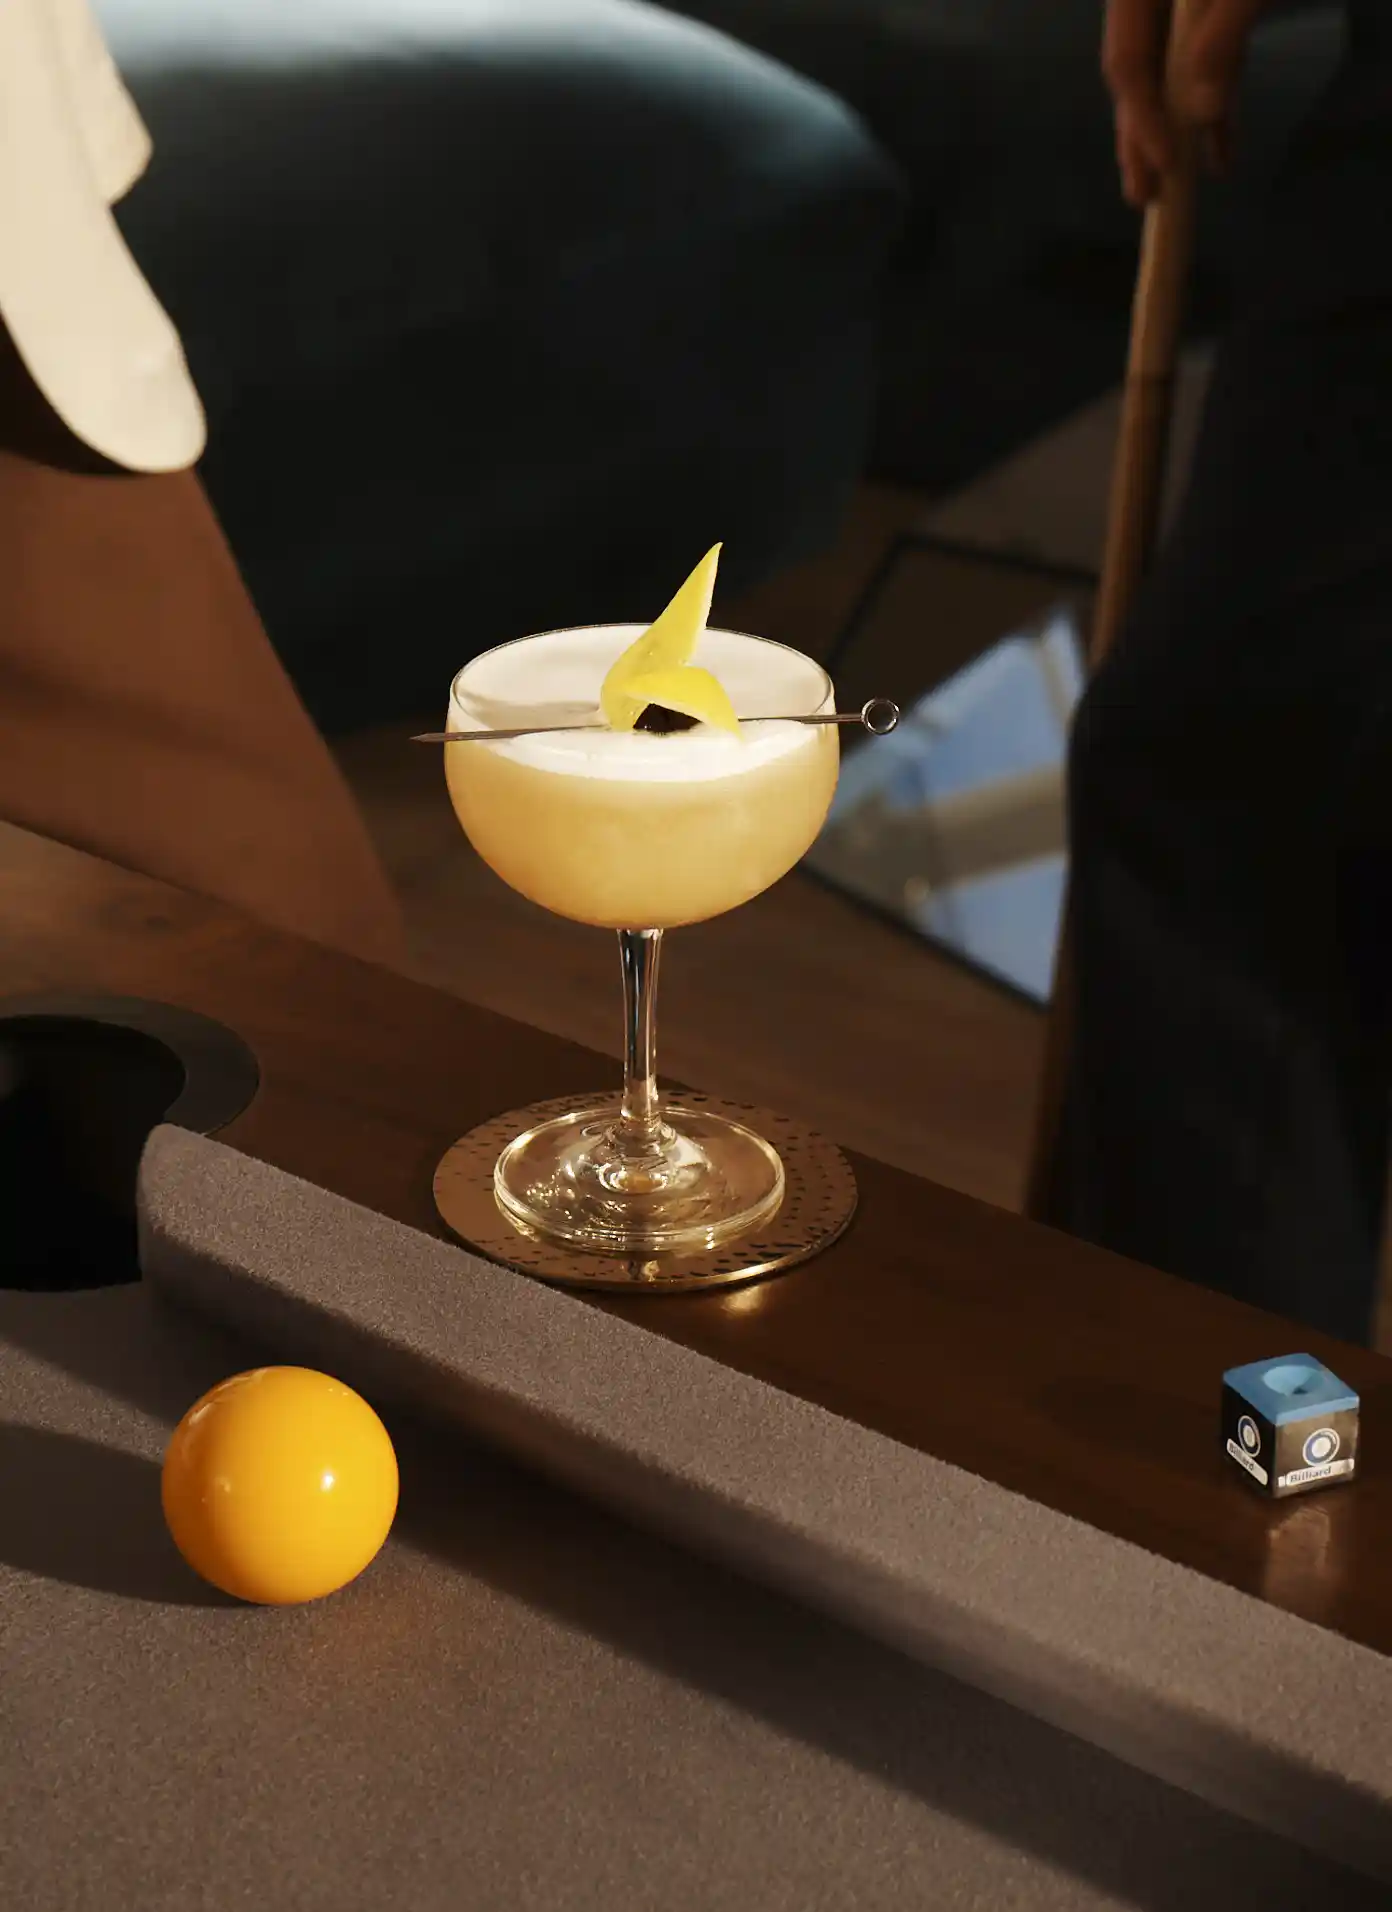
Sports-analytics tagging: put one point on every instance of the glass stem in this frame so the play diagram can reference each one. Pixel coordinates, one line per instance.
(640, 1121)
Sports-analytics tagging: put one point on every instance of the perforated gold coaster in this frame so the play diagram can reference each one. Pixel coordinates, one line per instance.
(818, 1203)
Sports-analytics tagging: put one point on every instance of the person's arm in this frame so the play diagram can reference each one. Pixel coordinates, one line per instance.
(1207, 68)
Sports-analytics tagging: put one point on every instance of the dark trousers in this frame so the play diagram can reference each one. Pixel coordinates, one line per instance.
(1227, 1109)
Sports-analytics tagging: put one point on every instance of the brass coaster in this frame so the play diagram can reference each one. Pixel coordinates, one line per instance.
(818, 1203)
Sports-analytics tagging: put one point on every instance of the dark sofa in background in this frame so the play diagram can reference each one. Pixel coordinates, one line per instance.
(502, 310)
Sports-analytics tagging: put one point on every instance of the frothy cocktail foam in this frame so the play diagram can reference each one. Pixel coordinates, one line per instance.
(555, 679)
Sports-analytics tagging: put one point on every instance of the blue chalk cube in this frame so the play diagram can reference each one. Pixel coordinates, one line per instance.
(1290, 1425)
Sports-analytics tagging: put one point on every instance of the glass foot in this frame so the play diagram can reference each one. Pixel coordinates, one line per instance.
(578, 1180)
(819, 1200)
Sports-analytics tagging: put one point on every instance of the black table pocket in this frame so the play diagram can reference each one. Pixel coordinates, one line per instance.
(83, 1080)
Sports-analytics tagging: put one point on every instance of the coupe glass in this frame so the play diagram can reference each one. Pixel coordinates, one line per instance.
(640, 833)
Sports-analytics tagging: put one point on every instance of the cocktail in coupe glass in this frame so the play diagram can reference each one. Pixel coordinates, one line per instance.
(640, 832)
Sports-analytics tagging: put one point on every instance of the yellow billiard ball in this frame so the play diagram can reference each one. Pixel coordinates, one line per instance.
(279, 1485)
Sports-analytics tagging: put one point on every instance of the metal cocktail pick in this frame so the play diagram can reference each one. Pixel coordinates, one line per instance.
(879, 716)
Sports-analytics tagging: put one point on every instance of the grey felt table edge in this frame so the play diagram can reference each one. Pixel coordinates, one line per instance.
(1261, 1713)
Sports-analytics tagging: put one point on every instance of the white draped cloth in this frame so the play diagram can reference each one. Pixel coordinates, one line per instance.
(93, 336)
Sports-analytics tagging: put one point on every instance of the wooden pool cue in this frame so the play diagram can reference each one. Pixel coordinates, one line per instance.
(1133, 520)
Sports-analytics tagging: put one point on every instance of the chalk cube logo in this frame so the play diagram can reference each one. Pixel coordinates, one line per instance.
(1248, 1435)
(1321, 1446)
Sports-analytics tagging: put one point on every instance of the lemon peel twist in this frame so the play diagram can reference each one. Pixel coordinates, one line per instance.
(657, 669)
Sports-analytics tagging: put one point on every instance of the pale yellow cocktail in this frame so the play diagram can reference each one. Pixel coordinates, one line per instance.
(661, 777)
(625, 828)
